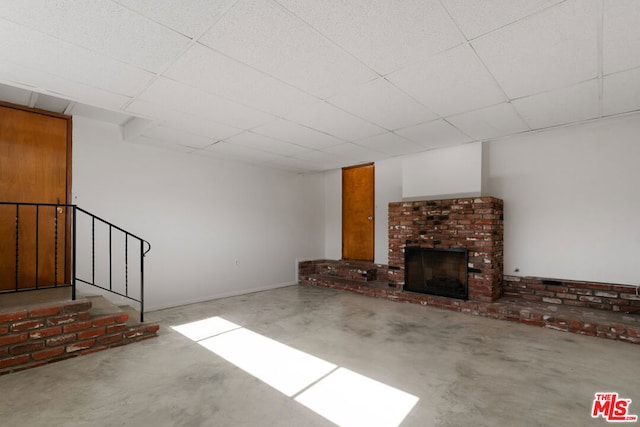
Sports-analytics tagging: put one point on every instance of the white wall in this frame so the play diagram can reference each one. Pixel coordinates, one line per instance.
(200, 215)
(572, 200)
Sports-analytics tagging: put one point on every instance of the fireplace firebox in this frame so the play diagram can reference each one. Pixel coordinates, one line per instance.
(441, 272)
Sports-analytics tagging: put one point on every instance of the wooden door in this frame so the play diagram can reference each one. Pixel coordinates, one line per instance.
(357, 212)
(35, 154)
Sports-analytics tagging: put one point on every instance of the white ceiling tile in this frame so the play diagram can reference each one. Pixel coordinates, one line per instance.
(566, 105)
(356, 153)
(199, 126)
(84, 110)
(205, 69)
(187, 139)
(620, 35)
(391, 144)
(489, 122)
(294, 165)
(264, 35)
(36, 50)
(43, 82)
(189, 17)
(329, 119)
(264, 143)
(434, 134)
(326, 160)
(552, 49)
(384, 34)
(162, 144)
(192, 101)
(14, 95)
(477, 17)
(286, 130)
(237, 152)
(382, 103)
(103, 26)
(621, 92)
(449, 83)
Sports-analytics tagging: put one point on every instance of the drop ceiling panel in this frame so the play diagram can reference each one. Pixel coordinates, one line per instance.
(271, 39)
(566, 105)
(237, 152)
(329, 119)
(199, 126)
(165, 133)
(32, 49)
(391, 144)
(434, 134)
(325, 160)
(95, 113)
(490, 122)
(202, 104)
(476, 17)
(208, 70)
(356, 153)
(103, 26)
(449, 83)
(188, 17)
(621, 92)
(621, 35)
(382, 103)
(263, 143)
(286, 130)
(549, 50)
(162, 144)
(384, 35)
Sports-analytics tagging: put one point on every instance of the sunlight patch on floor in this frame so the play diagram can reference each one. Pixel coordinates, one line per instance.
(343, 397)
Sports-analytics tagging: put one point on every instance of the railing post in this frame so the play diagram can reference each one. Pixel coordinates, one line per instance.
(73, 255)
(141, 281)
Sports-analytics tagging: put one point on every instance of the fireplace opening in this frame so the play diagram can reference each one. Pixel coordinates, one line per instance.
(441, 272)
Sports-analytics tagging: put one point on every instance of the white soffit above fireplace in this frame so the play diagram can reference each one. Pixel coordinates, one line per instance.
(438, 174)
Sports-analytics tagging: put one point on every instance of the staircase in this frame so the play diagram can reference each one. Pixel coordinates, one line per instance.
(46, 326)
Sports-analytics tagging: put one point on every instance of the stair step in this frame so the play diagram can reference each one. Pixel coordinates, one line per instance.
(346, 270)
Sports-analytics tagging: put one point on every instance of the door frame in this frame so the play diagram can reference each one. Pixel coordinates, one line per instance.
(373, 209)
(68, 221)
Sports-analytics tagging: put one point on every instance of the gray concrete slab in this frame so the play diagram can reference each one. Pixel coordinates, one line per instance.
(465, 370)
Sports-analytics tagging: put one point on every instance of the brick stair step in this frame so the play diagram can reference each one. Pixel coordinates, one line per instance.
(358, 272)
(333, 281)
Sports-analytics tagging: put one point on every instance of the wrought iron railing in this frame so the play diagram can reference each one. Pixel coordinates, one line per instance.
(46, 245)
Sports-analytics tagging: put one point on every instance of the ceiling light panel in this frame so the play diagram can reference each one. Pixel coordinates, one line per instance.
(476, 17)
(621, 92)
(385, 35)
(551, 49)
(269, 38)
(103, 26)
(329, 119)
(621, 35)
(206, 69)
(188, 17)
(490, 122)
(35, 50)
(382, 103)
(449, 83)
(566, 105)
(434, 134)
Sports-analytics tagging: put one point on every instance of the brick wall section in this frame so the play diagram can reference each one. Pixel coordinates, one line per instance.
(37, 335)
(601, 296)
(472, 223)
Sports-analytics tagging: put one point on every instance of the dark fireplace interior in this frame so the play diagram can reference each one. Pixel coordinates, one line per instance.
(440, 272)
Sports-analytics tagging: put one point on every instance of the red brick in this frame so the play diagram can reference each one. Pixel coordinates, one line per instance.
(4, 329)
(91, 333)
(61, 340)
(13, 338)
(122, 318)
(76, 306)
(104, 320)
(29, 347)
(80, 345)
(13, 361)
(110, 339)
(48, 353)
(115, 328)
(94, 350)
(44, 311)
(45, 332)
(78, 326)
(59, 320)
(27, 324)
(13, 315)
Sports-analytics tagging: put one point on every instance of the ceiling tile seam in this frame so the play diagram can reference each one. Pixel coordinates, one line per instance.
(554, 89)
(428, 108)
(600, 53)
(330, 40)
(256, 130)
(289, 142)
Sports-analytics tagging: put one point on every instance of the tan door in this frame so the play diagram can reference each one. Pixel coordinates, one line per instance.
(357, 212)
(34, 164)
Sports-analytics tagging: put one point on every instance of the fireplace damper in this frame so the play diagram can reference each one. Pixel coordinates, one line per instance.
(441, 272)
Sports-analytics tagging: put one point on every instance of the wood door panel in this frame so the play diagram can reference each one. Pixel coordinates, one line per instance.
(357, 213)
(34, 168)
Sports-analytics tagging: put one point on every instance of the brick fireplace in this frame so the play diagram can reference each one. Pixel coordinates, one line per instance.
(474, 224)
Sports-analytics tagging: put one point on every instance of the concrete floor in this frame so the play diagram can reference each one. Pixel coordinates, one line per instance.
(465, 370)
